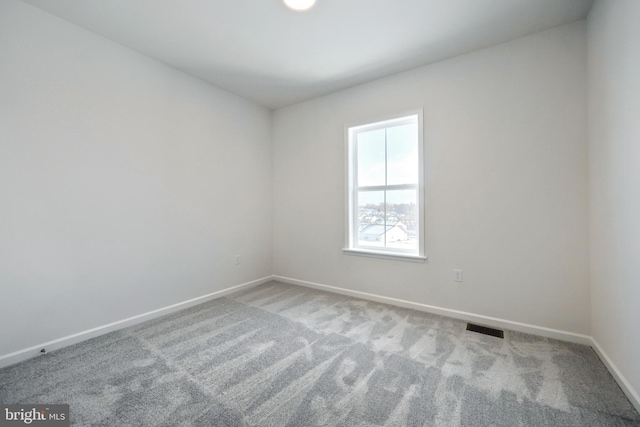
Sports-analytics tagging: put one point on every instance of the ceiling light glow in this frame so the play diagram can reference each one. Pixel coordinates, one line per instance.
(299, 5)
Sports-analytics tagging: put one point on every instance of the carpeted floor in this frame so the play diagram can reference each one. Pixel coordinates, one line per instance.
(282, 355)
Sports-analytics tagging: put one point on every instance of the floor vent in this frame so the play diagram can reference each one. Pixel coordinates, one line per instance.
(485, 330)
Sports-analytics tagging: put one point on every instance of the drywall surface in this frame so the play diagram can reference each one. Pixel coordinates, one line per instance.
(505, 175)
(614, 174)
(125, 185)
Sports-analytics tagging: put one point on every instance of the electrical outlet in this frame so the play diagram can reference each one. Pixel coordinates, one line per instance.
(457, 275)
(237, 259)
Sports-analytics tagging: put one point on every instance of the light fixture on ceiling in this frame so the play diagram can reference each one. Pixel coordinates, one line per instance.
(300, 5)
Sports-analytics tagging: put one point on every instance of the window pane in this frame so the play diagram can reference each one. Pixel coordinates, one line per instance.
(402, 219)
(371, 218)
(371, 158)
(402, 154)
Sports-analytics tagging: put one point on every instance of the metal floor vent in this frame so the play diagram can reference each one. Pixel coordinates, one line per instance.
(485, 330)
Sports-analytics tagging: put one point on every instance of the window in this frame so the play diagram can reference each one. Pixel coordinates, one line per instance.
(385, 189)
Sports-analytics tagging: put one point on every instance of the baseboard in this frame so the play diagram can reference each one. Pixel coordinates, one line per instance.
(632, 394)
(469, 317)
(626, 387)
(28, 353)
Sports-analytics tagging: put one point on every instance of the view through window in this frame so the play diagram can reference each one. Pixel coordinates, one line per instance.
(385, 186)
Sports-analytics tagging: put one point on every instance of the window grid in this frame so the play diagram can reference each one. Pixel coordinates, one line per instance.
(356, 190)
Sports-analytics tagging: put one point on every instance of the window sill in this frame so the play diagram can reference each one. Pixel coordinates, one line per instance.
(385, 255)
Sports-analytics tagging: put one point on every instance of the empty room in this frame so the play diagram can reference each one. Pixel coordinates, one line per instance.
(320, 213)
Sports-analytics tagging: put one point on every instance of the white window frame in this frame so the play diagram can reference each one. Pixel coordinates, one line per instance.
(351, 169)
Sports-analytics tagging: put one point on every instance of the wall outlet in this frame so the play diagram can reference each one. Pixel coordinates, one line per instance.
(457, 275)
(237, 259)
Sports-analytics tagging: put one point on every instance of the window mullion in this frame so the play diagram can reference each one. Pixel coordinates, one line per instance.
(389, 187)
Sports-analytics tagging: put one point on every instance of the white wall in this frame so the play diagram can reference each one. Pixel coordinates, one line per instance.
(614, 173)
(125, 185)
(506, 178)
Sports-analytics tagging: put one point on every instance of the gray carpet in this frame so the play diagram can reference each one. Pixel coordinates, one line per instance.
(281, 355)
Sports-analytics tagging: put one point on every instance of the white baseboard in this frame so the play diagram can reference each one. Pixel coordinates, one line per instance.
(469, 317)
(626, 387)
(632, 394)
(28, 353)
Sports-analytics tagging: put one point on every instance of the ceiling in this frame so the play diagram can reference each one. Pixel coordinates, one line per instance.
(265, 52)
